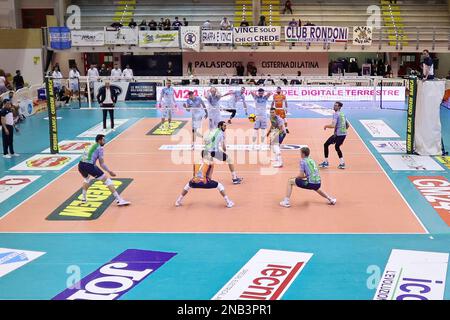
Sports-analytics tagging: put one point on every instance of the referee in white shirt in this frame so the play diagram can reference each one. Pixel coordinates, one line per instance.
(93, 77)
(116, 73)
(7, 119)
(107, 97)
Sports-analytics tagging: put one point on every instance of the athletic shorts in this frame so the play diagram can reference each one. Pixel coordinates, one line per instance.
(213, 122)
(210, 184)
(166, 112)
(260, 123)
(276, 133)
(281, 113)
(304, 184)
(334, 139)
(89, 169)
(221, 156)
(196, 123)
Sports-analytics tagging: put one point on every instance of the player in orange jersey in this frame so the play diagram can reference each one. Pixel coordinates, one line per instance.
(279, 99)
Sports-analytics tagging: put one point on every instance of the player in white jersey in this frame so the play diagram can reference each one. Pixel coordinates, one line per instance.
(261, 100)
(167, 103)
(238, 96)
(213, 98)
(197, 108)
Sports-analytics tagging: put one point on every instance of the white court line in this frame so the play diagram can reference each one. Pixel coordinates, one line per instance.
(213, 233)
(249, 172)
(401, 195)
(68, 170)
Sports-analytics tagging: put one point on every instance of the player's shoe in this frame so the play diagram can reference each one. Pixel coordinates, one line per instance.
(237, 180)
(229, 121)
(178, 204)
(332, 201)
(123, 202)
(112, 129)
(15, 155)
(230, 204)
(285, 204)
(324, 164)
(277, 164)
(83, 199)
(7, 156)
(287, 130)
(341, 166)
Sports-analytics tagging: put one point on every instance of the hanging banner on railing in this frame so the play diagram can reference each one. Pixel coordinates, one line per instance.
(217, 36)
(159, 39)
(122, 36)
(362, 36)
(190, 38)
(59, 38)
(256, 34)
(316, 34)
(87, 38)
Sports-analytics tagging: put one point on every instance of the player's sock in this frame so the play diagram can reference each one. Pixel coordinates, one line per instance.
(234, 175)
(83, 194)
(227, 199)
(341, 161)
(117, 196)
(180, 198)
(287, 200)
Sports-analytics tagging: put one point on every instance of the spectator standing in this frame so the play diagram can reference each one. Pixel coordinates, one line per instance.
(127, 73)
(177, 24)
(206, 25)
(185, 22)
(18, 82)
(7, 120)
(386, 69)
(167, 25)
(427, 66)
(92, 78)
(116, 73)
(104, 72)
(153, 25)
(107, 97)
(169, 68)
(132, 23)
(161, 24)
(57, 76)
(262, 21)
(143, 25)
(299, 23)
(287, 7)
(3, 88)
(74, 76)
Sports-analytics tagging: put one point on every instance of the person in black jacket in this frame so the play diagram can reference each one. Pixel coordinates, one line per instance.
(107, 97)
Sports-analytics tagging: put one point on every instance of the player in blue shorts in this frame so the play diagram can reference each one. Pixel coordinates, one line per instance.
(308, 179)
(276, 135)
(88, 168)
(167, 103)
(202, 179)
(261, 114)
(196, 106)
(340, 126)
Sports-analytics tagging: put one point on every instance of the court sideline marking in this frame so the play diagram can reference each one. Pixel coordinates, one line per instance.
(392, 182)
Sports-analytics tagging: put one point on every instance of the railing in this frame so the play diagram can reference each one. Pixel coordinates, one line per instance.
(431, 38)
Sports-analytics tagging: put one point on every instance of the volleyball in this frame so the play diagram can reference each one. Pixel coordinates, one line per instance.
(252, 117)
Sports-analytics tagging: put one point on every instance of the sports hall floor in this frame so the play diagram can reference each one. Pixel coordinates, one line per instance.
(378, 209)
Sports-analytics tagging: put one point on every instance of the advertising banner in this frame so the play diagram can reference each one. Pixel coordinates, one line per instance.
(316, 34)
(87, 38)
(256, 34)
(217, 36)
(159, 39)
(122, 36)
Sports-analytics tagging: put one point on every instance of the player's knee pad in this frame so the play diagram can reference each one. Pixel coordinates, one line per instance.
(109, 182)
(187, 187)
(220, 187)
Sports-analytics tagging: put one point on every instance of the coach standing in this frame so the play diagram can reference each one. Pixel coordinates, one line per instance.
(107, 97)
(427, 66)
(7, 119)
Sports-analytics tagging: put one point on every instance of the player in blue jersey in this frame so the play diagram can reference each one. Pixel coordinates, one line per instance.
(196, 106)
(308, 178)
(88, 168)
(167, 103)
(340, 126)
(213, 98)
(261, 99)
(237, 96)
(276, 135)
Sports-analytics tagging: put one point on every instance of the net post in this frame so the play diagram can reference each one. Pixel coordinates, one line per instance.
(410, 123)
(52, 119)
(89, 93)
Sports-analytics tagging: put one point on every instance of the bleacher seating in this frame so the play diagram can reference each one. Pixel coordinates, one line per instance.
(102, 12)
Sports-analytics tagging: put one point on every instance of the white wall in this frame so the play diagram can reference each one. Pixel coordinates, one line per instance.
(63, 59)
(22, 59)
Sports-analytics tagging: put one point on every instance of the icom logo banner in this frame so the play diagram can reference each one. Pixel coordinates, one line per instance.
(118, 276)
(12, 259)
(413, 275)
(267, 276)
